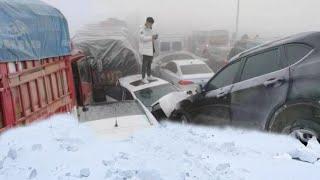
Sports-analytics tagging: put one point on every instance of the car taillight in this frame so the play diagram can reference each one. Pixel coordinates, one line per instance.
(185, 82)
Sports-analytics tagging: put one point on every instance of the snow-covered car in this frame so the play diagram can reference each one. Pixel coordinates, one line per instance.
(186, 74)
(117, 120)
(147, 94)
(274, 87)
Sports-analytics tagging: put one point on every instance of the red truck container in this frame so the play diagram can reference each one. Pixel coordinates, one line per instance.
(36, 77)
(32, 90)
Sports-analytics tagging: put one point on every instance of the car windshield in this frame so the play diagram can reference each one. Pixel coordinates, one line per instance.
(151, 95)
(111, 110)
(195, 69)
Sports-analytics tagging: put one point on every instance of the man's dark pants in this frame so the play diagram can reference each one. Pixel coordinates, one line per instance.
(146, 65)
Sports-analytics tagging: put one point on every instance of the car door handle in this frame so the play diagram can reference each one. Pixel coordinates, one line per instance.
(222, 94)
(272, 82)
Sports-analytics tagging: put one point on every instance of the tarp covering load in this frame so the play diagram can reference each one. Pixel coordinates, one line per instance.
(113, 53)
(31, 30)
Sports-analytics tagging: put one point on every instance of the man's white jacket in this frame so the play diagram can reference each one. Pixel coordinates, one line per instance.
(146, 44)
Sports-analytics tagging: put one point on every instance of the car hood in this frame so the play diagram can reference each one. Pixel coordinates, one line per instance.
(169, 102)
(126, 126)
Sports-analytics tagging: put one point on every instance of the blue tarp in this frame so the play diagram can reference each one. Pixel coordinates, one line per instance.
(32, 30)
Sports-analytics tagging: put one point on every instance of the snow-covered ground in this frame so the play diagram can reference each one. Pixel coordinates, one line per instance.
(61, 149)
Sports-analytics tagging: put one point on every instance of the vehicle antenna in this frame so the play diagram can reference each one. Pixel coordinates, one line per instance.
(115, 112)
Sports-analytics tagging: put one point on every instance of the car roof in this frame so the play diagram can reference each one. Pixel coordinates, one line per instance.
(188, 62)
(128, 82)
(310, 38)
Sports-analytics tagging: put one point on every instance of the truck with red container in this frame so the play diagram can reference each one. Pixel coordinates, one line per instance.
(36, 76)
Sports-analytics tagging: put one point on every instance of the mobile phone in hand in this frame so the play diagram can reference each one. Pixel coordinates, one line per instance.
(155, 36)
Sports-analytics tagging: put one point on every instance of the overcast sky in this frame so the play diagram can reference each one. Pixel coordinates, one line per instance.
(266, 17)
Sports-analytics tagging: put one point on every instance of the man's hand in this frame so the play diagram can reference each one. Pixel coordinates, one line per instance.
(155, 37)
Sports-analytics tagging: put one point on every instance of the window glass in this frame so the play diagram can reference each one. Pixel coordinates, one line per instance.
(164, 46)
(225, 77)
(195, 69)
(172, 67)
(261, 64)
(296, 52)
(177, 46)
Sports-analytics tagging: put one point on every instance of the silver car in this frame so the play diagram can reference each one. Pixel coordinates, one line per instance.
(186, 74)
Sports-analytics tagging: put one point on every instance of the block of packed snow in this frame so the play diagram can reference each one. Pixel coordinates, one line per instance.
(85, 172)
(314, 145)
(37, 147)
(12, 154)
(33, 174)
(305, 155)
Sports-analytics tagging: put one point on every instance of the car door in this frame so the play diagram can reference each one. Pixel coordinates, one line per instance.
(170, 72)
(212, 107)
(262, 86)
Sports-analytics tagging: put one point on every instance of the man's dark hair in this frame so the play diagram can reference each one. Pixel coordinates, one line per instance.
(150, 20)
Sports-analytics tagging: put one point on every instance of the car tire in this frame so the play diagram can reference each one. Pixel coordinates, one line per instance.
(303, 130)
(183, 117)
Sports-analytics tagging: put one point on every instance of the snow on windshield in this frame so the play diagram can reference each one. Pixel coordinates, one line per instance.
(61, 149)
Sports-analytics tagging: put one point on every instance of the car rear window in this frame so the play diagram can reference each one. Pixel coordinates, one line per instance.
(296, 52)
(164, 46)
(177, 46)
(195, 69)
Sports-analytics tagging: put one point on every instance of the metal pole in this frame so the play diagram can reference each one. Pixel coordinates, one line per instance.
(237, 20)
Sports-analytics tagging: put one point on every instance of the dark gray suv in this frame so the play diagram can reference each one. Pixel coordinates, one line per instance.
(274, 87)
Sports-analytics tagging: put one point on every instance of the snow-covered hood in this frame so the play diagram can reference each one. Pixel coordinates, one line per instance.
(168, 103)
(119, 127)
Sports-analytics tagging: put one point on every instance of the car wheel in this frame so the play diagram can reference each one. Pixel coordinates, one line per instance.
(303, 135)
(184, 119)
(303, 130)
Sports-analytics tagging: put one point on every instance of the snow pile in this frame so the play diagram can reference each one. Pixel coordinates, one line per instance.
(310, 154)
(61, 149)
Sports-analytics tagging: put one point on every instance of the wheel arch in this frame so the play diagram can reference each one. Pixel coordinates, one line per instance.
(301, 109)
(180, 107)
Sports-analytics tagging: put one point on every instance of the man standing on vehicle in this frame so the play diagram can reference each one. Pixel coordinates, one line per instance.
(147, 50)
